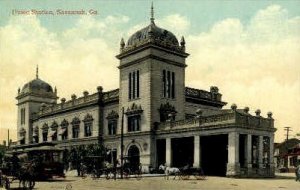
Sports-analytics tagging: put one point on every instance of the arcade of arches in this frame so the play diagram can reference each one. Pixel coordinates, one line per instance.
(219, 155)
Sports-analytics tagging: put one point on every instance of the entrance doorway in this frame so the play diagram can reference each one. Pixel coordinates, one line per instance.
(182, 151)
(134, 157)
(161, 151)
(214, 154)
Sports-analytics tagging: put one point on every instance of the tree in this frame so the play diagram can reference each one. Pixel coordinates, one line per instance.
(2, 152)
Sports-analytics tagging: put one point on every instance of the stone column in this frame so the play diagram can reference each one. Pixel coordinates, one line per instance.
(271, 157)
(260, 151)
(249, 153)
(168, 152)
(197, 152)
(233, 165)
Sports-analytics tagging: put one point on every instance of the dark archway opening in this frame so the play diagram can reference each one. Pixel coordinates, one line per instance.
(214, 154)
(134, 157)
(242, 150)
(182, 151)
(161, 151)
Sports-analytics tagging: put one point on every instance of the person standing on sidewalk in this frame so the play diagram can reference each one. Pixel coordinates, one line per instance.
(297, 172)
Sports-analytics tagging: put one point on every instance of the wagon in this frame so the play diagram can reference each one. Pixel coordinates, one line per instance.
(31, 164)
(186, 172)
(22, 172)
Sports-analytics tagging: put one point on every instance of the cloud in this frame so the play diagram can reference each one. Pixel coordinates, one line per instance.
(256, 63)
(80, 58)
(181, 22)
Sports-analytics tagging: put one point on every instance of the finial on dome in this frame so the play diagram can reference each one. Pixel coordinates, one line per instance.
(37, 71)
(122, 45)
(182, 43)
(152, 13)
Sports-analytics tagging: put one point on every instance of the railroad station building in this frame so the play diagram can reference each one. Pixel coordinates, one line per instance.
(165, 122)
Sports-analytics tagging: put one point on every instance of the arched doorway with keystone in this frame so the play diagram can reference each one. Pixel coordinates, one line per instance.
(133, 157)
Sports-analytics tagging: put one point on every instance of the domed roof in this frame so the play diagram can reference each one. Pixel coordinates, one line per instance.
(154, 37)
(155, 33)
(37, 85)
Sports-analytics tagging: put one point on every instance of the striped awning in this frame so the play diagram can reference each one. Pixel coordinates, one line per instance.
(52, 133)
(62, 131)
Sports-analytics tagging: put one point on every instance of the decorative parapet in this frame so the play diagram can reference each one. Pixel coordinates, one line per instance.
(196, 93)
(157, 42)
(77, 102)
(111, 95)
(233, 118)
(213, 97)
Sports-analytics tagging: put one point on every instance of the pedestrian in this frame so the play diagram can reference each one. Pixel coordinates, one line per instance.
(297, 172)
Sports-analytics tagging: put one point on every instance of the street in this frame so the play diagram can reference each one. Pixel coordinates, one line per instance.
(282, 181)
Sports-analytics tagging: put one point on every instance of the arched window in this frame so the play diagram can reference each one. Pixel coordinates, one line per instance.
(165, 110)
(168, 80)
(88, 125)
(75, 127)
(22, 135)
(45, 132)
(134, 118)
(64, 129)
(112, 121)
(134, 85)
(36, 134)
(53, 132)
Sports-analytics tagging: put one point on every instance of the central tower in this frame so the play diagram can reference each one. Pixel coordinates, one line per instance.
(152, 77)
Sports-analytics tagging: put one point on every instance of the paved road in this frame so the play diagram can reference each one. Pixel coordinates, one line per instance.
(286, 182)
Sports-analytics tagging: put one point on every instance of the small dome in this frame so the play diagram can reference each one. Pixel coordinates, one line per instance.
(37, 85)
(152, 32)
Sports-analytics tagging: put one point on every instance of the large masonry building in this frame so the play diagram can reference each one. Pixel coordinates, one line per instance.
(164, 121)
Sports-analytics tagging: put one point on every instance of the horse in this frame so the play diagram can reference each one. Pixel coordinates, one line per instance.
(169, 170)
(26, 175)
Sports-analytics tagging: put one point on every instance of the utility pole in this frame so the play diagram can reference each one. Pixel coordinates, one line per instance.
(122, 141)
(8, 138)
(288, 130)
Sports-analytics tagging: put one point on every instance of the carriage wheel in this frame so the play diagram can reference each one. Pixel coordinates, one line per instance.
(107, 176)
(184, 176)
(199, 176)
(25, 184)
(138, 175)
(126, 175)
(31, 184)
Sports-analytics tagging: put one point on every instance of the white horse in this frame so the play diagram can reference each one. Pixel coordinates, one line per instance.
(169, 170)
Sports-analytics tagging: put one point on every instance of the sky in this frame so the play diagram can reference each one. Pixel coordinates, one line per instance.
(249, 49)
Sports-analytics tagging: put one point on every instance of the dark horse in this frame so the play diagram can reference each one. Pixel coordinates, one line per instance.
(26, 175)
(187, 171)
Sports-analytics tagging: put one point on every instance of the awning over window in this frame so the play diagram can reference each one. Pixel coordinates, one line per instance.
(22, 138)
(62, 131)
(35, 135)
(52, 133)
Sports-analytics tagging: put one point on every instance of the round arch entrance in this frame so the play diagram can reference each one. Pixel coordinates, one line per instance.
(134, 157)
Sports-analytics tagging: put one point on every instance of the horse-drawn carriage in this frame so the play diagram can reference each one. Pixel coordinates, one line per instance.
(31, 164)
(111, 170)
(12, 170)
(183, 173)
